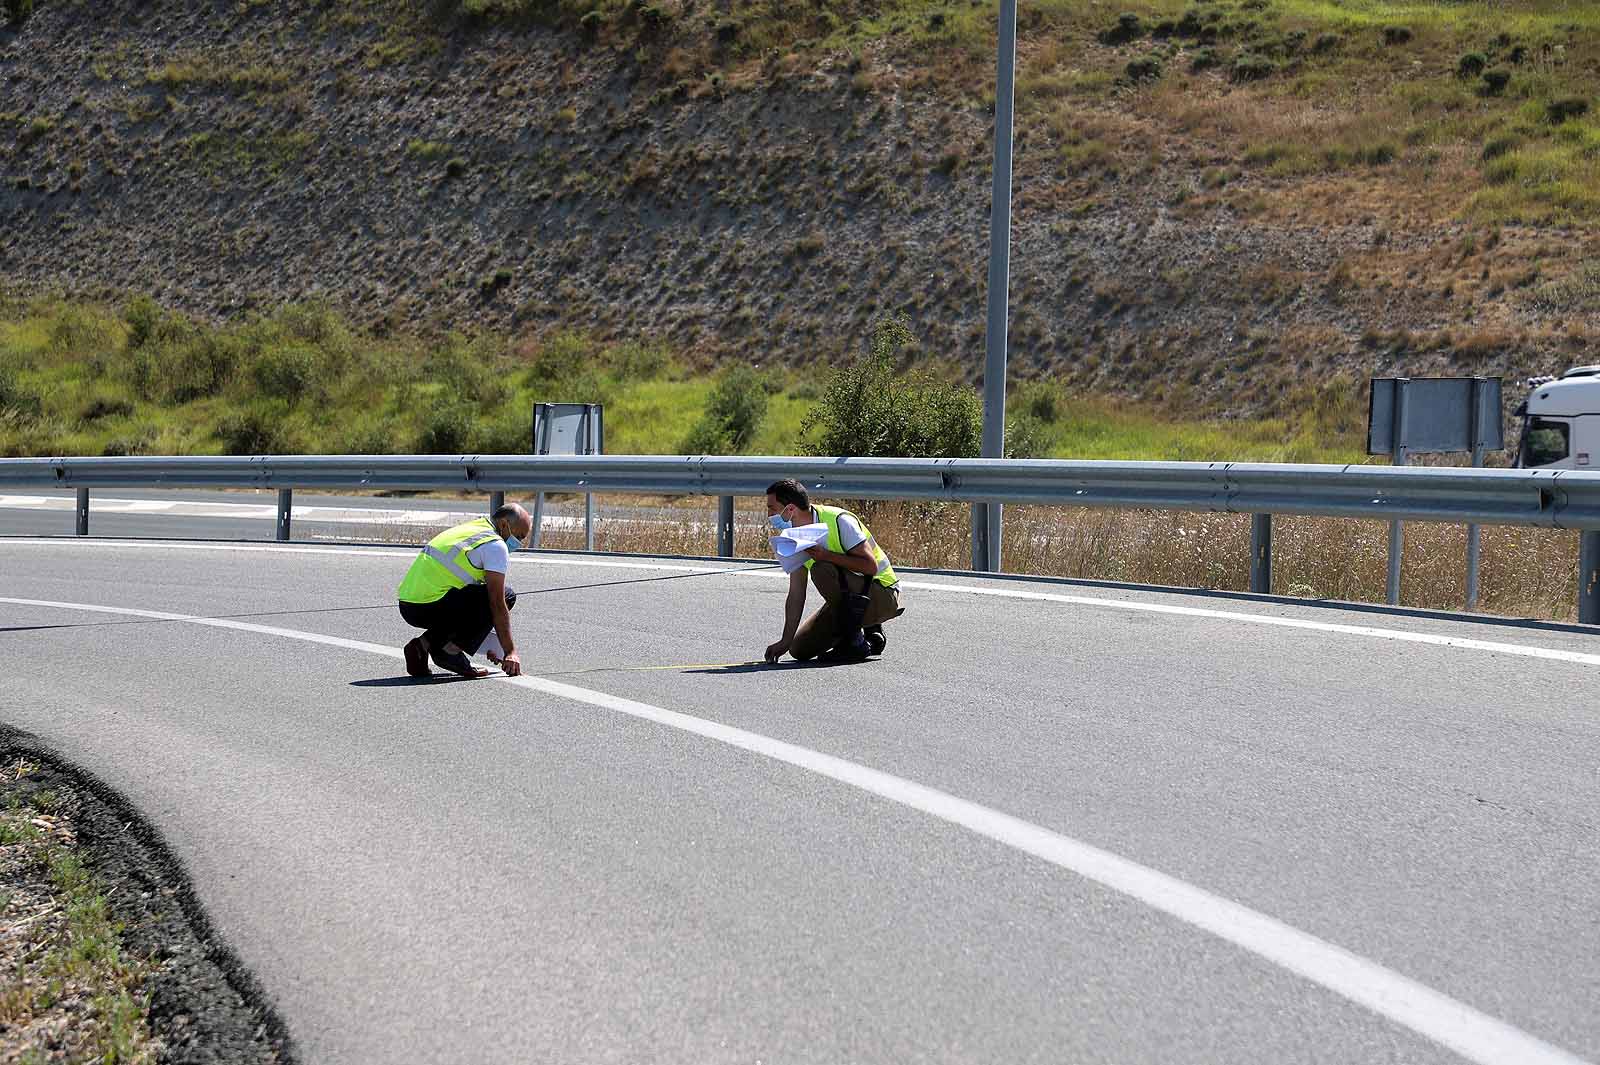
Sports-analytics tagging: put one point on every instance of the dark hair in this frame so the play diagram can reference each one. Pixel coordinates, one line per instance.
(505, 513)
(789, 491)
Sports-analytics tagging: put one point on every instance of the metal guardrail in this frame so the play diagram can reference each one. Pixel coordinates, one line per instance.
(1562, 499)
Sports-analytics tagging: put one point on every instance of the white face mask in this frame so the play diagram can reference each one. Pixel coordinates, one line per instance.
(513, 544)
(778, 523)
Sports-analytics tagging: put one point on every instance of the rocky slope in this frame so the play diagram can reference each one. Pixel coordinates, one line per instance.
(230, 156)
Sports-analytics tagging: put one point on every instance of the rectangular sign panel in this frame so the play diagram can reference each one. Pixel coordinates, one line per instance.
(1434, 414)
(568, 429)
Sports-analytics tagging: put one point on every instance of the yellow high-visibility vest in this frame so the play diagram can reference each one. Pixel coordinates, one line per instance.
(830, 517)
(443, 565)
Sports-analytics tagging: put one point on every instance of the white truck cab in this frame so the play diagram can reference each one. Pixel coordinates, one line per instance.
(1561, 422)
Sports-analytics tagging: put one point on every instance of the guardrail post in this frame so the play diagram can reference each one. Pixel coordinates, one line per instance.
(285, 505)
(588, 523)
(83, 512)
(1589, 577)
(496, 501)
(1261, 553)
(980, 538)
(725, 526)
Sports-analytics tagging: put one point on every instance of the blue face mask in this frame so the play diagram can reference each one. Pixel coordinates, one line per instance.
(513, 544)
(778, 523)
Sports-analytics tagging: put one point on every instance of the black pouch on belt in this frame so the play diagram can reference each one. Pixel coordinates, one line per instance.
(853, 609)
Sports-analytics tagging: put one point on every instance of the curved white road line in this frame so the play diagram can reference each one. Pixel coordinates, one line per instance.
(1475, 1036)
(522, 558)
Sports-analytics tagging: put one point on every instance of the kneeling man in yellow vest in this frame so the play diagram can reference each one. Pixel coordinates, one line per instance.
(851, 571)
(456, 592)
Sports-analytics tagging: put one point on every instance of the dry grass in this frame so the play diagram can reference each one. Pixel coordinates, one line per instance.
(1522, 573)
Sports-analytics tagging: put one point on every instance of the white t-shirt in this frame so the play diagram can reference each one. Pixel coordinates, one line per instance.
(851, 534)
(494, 556)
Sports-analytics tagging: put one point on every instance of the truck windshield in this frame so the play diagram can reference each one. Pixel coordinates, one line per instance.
(1545, 442)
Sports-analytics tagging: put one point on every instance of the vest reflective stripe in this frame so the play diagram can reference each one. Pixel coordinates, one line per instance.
(443, 566)
(830, 517)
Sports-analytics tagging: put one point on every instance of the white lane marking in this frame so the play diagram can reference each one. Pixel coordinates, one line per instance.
(1553, 654)
(1474, 1035)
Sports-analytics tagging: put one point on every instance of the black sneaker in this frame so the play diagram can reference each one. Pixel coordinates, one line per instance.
(876, 640)
(850, 652)
(456, 663)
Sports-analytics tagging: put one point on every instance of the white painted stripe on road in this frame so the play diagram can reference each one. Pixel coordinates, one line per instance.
(1474, 1035)
(1464, 643)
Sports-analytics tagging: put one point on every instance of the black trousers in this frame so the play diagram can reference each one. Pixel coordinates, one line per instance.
(462, 617)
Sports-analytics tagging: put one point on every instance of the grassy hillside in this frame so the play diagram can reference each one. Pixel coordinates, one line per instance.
(141, 379)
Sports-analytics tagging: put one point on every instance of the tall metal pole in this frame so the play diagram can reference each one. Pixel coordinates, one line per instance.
(986, 530)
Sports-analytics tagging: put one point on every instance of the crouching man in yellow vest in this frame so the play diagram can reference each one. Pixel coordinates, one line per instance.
(456, 592)
(851, 571)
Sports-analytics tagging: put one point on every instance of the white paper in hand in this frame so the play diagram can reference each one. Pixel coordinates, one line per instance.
(791, 544)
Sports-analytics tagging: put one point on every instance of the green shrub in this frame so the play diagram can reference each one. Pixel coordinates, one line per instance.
(287, 373)
(508, 433)
(447, 428)
(1501, 145)
(147, 321)
(1145, 68)
(1252, 67)
(1325, 43)
(1565, 108)
(80, 331)
(18, 11)
(870, 410)
(1471, 65)
(184, 370)
(732, 416)
(1026, 438)
(559, 358)
(16, 401)
(636, 361)
(1129, 27)
(101, 407)
(1393, 35)
(471, 369)
(1495, 82)
(1205, 58)
(256, 431)
(1043, 404)
(138, 443)
(489, 285)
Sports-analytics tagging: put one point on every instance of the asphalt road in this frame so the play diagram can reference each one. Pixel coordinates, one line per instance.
(1051, 824)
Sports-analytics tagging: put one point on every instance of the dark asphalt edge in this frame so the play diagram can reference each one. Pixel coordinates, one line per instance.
(1223, 594)
(168, 871)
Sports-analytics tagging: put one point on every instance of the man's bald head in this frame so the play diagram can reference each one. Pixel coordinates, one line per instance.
(513, 520)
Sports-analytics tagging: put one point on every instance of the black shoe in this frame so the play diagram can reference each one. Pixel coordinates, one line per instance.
(849, 652)
(876, 640)
(417, 659)
(456, 663)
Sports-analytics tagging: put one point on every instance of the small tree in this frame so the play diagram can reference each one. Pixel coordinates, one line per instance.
(732, 416)
(871, 410)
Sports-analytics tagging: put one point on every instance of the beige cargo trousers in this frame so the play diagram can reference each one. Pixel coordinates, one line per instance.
(820, 631)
